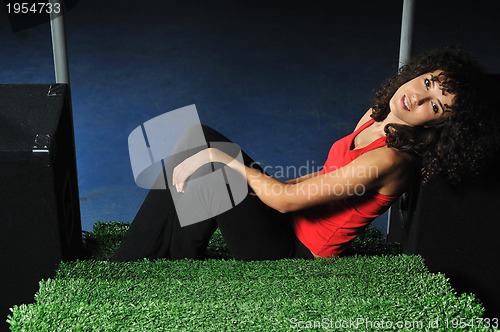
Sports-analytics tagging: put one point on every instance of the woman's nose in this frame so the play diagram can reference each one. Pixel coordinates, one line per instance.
(419, 99)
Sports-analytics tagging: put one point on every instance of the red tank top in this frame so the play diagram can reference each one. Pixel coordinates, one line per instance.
(328, 229)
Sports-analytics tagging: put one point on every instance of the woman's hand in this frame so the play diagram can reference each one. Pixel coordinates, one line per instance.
(185, 169)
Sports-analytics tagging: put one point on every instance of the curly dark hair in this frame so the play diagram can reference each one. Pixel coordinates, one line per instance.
(457, 148)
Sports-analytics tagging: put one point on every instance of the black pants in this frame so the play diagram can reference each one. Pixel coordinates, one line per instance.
(251, 230)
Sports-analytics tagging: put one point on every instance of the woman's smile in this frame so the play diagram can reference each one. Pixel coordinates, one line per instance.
(405, 103)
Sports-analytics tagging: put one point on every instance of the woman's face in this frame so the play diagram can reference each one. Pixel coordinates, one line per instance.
(421, 101)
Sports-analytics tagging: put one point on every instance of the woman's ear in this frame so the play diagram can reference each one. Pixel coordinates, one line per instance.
(389, 129)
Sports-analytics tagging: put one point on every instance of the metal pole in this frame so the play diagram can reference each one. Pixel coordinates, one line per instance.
(405, 51)
(406, 43)
(59, 43)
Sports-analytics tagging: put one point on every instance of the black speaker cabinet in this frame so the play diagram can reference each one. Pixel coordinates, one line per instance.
(456, 230)
(39, 204)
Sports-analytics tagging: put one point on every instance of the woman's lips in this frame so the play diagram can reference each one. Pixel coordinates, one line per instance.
(403, 104)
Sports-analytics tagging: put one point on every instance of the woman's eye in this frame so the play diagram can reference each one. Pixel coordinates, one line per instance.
(435, 108)
(427, 83)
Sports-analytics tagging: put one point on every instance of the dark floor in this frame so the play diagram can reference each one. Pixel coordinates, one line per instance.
(283, 80)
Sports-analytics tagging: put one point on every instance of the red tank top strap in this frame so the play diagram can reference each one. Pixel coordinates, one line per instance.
(364, 126)
(378, 143)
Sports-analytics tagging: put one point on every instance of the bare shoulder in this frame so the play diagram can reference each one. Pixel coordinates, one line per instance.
(364, 119)
(392, 159)
(396, 156)
(390, 163)
(396, 169)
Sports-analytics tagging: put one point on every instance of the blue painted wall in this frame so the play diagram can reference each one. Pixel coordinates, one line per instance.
(283, 80)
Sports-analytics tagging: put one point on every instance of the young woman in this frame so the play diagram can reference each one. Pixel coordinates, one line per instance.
(426, 121)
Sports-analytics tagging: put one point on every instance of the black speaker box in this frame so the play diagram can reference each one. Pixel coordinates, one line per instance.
(456, 229)
(39, 203)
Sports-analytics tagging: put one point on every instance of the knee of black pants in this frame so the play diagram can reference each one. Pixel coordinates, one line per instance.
(191, 241)
(254, 231)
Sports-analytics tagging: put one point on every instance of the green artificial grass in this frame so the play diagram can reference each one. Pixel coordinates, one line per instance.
(369, 292)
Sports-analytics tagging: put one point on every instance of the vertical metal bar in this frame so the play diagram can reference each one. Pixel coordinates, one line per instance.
(59, 43)
(405, 51)
(407, 22)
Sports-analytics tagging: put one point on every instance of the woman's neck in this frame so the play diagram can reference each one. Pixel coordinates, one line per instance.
(391, 118)
(379, 126)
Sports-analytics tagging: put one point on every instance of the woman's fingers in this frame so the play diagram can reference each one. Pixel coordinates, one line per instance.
(179, 178)
(185, 169)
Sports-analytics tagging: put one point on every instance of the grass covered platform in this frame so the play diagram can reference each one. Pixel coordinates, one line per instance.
(369, 292)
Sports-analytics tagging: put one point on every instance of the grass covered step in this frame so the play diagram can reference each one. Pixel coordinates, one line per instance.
(221, 295)
(373, 288)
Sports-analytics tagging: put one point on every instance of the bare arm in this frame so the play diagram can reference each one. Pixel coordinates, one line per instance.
(302, 178)
(364, 173)
(373, 170)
